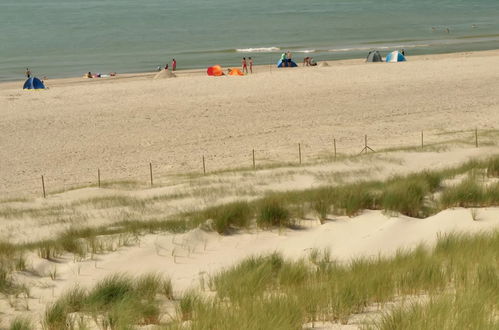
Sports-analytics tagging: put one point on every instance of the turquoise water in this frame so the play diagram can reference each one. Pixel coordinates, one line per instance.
(59, 38)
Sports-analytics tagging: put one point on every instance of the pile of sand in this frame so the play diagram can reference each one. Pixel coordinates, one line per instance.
(323, 64)
(164, 74)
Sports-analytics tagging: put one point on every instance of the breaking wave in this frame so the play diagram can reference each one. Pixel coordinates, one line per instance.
(258, 50)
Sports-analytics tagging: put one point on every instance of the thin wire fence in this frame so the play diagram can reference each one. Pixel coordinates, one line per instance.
(156, 174)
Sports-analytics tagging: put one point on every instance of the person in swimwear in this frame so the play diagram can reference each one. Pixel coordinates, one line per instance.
(244, 64)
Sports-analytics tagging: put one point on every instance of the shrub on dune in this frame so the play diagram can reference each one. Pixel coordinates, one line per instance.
(406, 197)
(466, 194)
(230, 216)
(272, 213)
(21, 323)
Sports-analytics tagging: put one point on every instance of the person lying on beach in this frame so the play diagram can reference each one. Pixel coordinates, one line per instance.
(312, 62)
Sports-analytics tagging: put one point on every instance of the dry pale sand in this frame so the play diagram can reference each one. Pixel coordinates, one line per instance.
(120, 125)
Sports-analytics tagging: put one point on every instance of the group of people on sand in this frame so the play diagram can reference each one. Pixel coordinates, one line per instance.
(244, 65)
(174, 66)
(286, 59)
(99, 75)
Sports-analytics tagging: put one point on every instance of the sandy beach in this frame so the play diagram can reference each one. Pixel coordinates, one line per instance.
(120, 125)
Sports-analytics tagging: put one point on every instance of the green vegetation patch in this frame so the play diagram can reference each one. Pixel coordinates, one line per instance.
(458, 281)
(118, 302)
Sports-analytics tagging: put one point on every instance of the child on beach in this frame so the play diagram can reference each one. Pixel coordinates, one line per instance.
(244, 65)
(27, 73)
(174, 65)
(251, 64)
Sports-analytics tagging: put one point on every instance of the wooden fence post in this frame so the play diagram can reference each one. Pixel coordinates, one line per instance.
(204, 166)
(422, 140)
(476, 137)
(43, 187)
(98, 177)
(254, 164)
(299, 152)
(150, 172)
(366, 147)
(334, 142)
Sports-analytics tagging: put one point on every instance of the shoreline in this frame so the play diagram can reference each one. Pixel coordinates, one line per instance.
(56, 82)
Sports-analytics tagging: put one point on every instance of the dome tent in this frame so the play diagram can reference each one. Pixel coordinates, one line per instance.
(374, 56)
(292, 64)
(33, 83)
(395, 57)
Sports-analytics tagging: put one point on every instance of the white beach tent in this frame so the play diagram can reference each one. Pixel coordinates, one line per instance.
(395, 57)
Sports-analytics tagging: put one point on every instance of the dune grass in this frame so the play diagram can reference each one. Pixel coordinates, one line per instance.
(411, 195)
(11, 259)
(460, 273)
(117, 302)
(493, 167)
(21, 323)
(272, 213)
(228, 217)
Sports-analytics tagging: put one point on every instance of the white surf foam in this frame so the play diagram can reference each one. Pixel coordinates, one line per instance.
(257, 50)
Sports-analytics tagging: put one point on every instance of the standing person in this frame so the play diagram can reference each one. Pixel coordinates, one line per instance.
(244, 65)
(251, 64)
(174, 65)
(28, 73)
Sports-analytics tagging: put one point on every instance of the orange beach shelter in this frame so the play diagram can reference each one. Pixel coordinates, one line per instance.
(215, 70)
(235, 72)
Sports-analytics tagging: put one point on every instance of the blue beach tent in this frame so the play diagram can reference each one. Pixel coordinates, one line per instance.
(33, 83)
(293, 65)
(395, 57)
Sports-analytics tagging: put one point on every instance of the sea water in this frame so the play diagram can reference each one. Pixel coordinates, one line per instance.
(60, 38)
